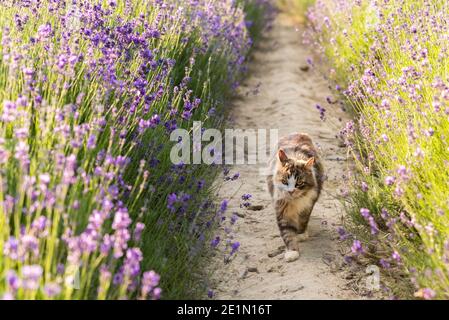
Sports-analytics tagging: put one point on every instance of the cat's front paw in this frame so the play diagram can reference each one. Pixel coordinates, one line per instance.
(291, 255)
(303, 236)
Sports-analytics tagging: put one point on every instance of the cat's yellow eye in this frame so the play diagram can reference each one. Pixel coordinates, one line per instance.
(300, 185)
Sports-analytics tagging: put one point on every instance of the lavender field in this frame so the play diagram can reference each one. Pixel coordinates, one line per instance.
(93, 207)
(386, 65)
(90, 205)
(389, 60)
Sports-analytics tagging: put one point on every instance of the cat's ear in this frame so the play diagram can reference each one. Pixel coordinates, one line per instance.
(309, 164)
(282, 156)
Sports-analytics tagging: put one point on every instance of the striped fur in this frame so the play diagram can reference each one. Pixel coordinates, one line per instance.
(295, 184)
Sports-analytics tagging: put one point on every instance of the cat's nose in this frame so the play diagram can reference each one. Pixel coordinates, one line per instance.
(291, 192)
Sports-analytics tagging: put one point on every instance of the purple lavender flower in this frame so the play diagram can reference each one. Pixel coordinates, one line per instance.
(396, 256)
(121, 219)
(214, 243)
(150, 280)
(370, 219)
(138, 231)
(398, 191)
(429, 132)
(357, 247)
(384, 214)
(31, 275)
(426, 293)
(384, 263)
(200, 184)
(60, 268)
(234, 218)
(210, 294)
(343, 234)
(322, 112)
(39, 225)
(171, 200)
(91, 142)
(131, 266)
(235, 176)
(12, 280)
(389, 180)
(30, 244)
(11, 248)
(234, 247)
(246, 196)
(224, 205)
(365, 213)
(117, 280)
(52, 289)
(154, 121)
(9, 111)
(106, 244)
(364, 186)
(44, 31)
(156, 294)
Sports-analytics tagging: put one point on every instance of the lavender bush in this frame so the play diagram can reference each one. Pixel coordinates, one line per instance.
(390, 60)
(90, 203)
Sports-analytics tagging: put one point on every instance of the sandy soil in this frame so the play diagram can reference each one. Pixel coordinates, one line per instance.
(285, 98)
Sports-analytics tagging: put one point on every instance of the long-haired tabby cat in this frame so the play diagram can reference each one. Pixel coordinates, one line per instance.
(295, 183)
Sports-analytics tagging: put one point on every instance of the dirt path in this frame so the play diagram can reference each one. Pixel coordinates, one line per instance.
(286, 100)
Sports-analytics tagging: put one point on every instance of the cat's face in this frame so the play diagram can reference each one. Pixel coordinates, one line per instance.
(293, 178)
